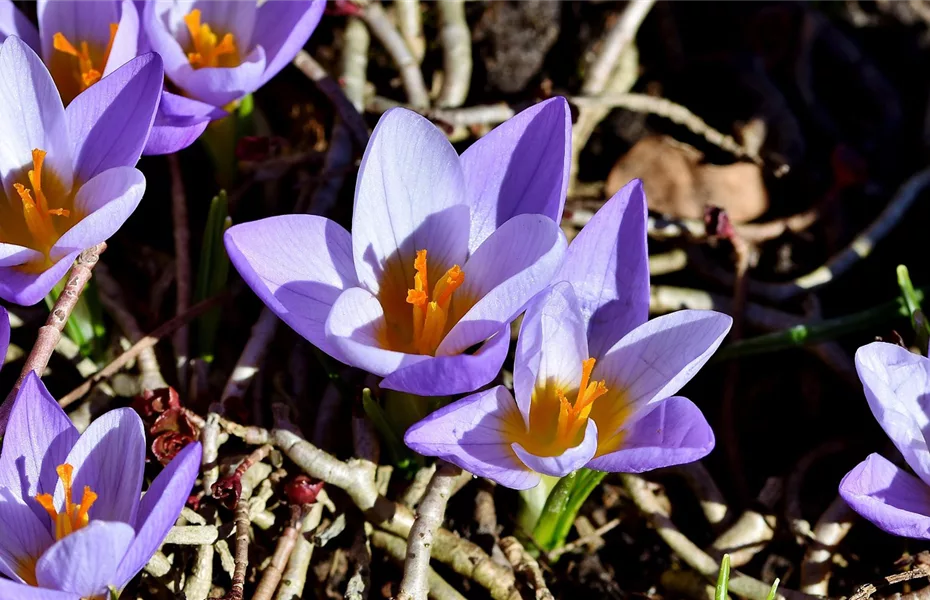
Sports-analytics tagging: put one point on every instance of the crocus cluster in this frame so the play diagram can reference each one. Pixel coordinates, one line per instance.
(897, 387)
(70, 510)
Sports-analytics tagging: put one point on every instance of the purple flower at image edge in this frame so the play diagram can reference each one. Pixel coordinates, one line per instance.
(445, 251)
(897, 387)
(70, 507)
(594, 380)
(68, 176)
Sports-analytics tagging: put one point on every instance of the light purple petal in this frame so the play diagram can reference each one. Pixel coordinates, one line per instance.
(31, 116)
(237, 18)
(12, 255)
(4, 334)
(608, 265)
(551, 347)
(159, 510)
(178, 123)
(891, 498)
(38, 438)
(109, 123)
(19, 591)
(24, 537)
(13, 22)
(501, 277)
(20, 287)
(109, 457)
(473, 434)
(79, 21)
(570, 460)
(674, 432)
(410, 196)
(218, 85)
(85, 562)
(282, 29)
(159, 22)
(657, 359)
(102, 204)
(520, 167)
(126, 43)
(355, 327)
(298, 265)
(897, 386)
(456, 374)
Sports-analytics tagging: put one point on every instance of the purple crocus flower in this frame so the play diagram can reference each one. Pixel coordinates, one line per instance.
(70, 510)
(445, 251)
(594, 381)
(897, 387)
(4, 334)
(68, 176)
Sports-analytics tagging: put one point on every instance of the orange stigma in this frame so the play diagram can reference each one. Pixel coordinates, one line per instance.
(206, 52)
(573, 416)
(88, 73)
(36, 212)
(430, 316)
(74, 516)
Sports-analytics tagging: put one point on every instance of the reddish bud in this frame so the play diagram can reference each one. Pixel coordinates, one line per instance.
(153, 402)
(228, 490)
(301, 490)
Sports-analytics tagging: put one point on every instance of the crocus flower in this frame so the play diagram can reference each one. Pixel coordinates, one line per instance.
(594, 381)
(70, 510)
(68, 175)
(897, 387)
(4, 334)
(445, 251)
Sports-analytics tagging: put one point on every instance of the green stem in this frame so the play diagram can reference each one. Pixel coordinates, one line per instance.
(562, 506)
(912, 301)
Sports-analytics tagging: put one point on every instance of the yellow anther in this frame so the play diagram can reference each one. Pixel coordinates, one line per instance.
(205, 51)
(89, 71)
(430, 316)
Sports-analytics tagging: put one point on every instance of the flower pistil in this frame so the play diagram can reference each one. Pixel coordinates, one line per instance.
(88, 73)
(206, 51)
(73, 516)
(430, 315)
(37, 214)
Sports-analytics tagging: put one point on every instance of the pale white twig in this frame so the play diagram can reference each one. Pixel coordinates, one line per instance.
(456, 53)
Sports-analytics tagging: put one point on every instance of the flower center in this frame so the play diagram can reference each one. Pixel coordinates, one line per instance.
(87, 73)
(206, 52)
(73, 516)
(36, 212)
(430, 315)
(574, 416)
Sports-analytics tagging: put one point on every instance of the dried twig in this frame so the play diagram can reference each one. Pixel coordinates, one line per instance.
(524, 563)
(355, 61)
(147, 342)
(490, 114)
(594, 536)
(382, 28)
(199, 581)
(456, 53)
(865, 591)
(410, 23)
(252, 356)
(753, 530)
(295, 575)
(740, 584)
(414, 492)
(330, 87)
(282, 554)
(613, 45)
(713, 503)
(50, 333)
(182, 263)
(829, 531)
(395, 547)
(430, 513)
(242, 552)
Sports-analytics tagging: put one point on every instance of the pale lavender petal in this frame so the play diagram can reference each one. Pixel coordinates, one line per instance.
(355, 327)
(159, 510)
(159, 21)
(456, 374)
(519, 167)
(109, 122)
(126, 42)
(657, 359)
(18, 591)
(13, 22)
(674, 432)
(570, 460)
(473, 433)
(85, 562)
(178, 123)
(282, 29)
(218, 85)
(78, 20)
(298, 265)
(31, 116)
(237, 18)
(109, 457)
(4, 334)
(501, 277)
(20, 287)
(12, 255)
(410, 196)
(608, 265)
(897, 386)
(891, 498)
(24, 537)
(38, 438)
(551, 347)
(103, 205)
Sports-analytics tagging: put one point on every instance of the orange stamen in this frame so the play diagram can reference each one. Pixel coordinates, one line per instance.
(87, 72)
(74, 516)
(206, 52)
(430, 316)
(36, 212)
(573, 416)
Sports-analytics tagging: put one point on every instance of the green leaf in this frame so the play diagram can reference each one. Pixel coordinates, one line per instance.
(774, 589)
(562, 507)
(114, 593)
(212, 273)
(912, 302)
(723, 579)
(401, 456)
